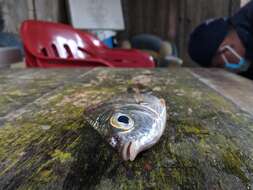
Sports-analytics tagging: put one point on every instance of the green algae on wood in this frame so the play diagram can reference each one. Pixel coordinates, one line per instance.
(207, 143)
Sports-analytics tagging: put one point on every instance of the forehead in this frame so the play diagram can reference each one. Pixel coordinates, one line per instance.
(147, 104)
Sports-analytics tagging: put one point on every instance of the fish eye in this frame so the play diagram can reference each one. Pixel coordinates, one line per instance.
(122, 122)
(123, 119)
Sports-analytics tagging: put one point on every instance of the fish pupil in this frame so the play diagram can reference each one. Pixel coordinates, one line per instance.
(123, 119)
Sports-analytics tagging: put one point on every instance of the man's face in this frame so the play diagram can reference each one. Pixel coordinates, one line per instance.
(232, 40)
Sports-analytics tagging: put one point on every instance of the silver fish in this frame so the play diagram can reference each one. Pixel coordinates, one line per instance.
(131, 123)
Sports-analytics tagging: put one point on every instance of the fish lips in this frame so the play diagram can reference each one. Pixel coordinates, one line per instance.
(127, 151)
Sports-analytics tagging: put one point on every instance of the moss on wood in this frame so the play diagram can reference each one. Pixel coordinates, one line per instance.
(207, 143)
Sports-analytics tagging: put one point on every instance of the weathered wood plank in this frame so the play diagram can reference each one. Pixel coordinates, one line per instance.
(237, 89)
(207, 143)
(50, 10)
(21, 87)
(15, 12)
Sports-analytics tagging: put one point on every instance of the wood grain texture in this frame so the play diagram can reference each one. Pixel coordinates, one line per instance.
(45, 144)
(237, 89)
(49, 10)
(14, 12)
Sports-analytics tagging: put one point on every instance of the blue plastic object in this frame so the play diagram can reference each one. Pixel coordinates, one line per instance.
(11, 40)
(109, 42)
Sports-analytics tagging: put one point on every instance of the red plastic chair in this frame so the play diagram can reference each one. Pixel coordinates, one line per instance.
(54, 45)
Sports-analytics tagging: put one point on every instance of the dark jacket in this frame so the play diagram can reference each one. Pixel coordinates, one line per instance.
(242, 21)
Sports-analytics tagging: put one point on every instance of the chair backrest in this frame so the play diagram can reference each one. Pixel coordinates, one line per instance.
(54, 40)
(92, 40)
(49, 44)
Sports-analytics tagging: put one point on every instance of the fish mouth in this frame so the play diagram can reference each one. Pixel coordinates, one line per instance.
(129, 151)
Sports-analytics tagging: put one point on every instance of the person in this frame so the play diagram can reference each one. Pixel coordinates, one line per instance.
(225, 42)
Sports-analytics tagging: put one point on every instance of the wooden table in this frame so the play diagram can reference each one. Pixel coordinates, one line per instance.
(45, 143)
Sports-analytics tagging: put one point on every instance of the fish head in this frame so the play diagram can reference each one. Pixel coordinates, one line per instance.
(132, 124)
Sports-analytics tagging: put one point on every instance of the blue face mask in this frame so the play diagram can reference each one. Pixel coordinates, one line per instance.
(241, 66)
(236, 66)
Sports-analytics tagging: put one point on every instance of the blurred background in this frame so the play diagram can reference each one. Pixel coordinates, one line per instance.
(168, 20)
